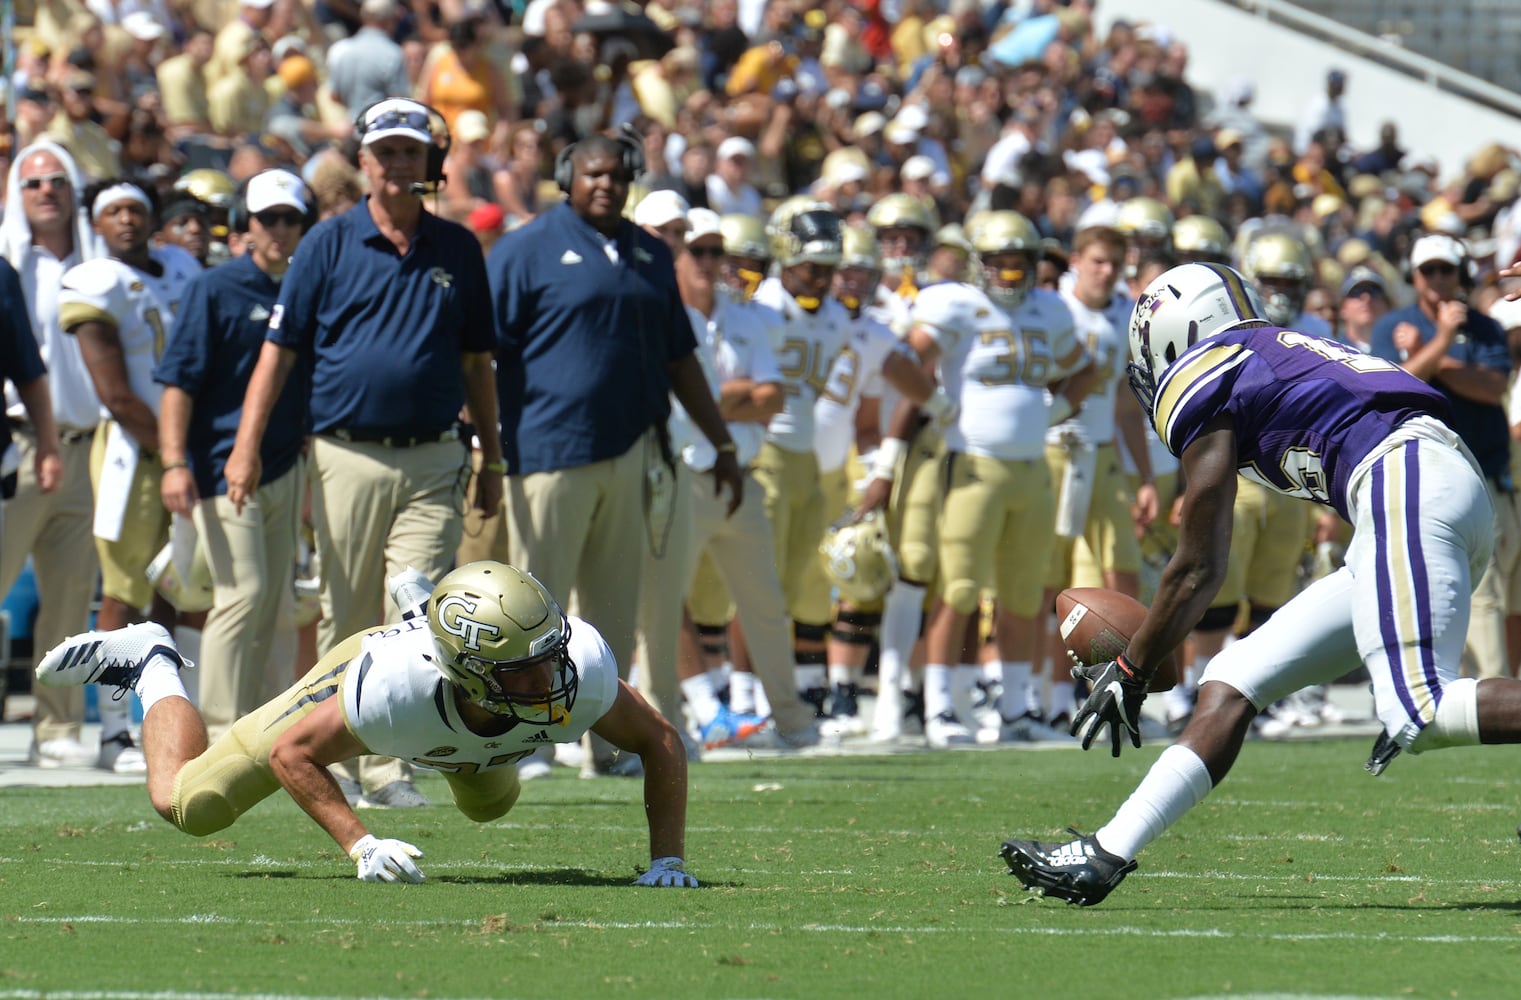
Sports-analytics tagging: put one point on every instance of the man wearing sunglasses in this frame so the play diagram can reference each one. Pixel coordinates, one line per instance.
(204, 372)
(387, 308)
(42, 235)
(1463, 353)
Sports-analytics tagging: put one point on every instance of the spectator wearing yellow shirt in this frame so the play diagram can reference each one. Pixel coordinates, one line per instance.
(232, 41)
(183, 87)
(93, 149)
(239, 101)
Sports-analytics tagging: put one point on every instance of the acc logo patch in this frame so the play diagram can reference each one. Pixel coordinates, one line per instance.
(443, 751)
(454, 617)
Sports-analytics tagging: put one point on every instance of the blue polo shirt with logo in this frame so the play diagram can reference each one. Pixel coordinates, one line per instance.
(20, 360)
(218, 333)
(382, 334)
(582, 340)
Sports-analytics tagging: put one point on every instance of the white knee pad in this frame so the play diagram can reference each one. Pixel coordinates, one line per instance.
(1457, 719)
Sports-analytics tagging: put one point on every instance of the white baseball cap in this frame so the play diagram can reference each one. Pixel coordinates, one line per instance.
(917, 168)
(736, 145)
(660, 207)
(143, 26)
(274, 188)
(704, 222)
(396, 116)
(472, 126)
(1437, 247)
(257, 4)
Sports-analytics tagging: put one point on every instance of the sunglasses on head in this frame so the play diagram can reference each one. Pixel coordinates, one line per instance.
(271, 217)
(416, 120)
(51, 180)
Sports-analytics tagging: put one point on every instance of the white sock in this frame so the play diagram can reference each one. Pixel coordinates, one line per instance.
(937, 690)
(701, 698)
(964, 678)
(1176, 783)
(720, 674)
(1014, 701)
(809, 675)
(763, 701)
(189, 642)
(1062, 700)
(992, 671)
(633, 675)
(160, 679)
(843, 673)
(742, 689)
(900, 627)
(1194, 672)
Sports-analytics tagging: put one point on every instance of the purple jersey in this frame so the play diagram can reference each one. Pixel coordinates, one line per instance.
(1306, 410)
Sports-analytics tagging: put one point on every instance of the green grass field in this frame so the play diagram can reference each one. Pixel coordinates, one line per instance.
(825, 877)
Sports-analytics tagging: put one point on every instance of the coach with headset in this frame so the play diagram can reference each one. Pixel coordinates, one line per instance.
(1462, 352)
(204, 371)
(386, 307)
(592, 339)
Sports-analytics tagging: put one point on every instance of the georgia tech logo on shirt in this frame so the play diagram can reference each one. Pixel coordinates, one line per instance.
(453, 617)
(441, 278)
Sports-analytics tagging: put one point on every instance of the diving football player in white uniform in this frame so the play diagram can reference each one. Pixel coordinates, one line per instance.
(486, 672)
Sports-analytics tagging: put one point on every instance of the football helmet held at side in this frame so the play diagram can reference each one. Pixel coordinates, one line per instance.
(859, 560)
(503, 638)
(1181, 307)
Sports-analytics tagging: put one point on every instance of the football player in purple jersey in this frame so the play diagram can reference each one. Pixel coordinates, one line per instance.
(1231, 394)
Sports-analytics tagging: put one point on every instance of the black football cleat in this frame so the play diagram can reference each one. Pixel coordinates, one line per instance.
(1384, 751)
(1078, 871)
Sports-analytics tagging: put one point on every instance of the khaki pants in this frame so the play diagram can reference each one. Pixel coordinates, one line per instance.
(583, 529)
(253, 559)
(743, 554)
(375, 511)
(144, 527)
(795, 504)
(1485, 650)
(56, 531)
(482, 537)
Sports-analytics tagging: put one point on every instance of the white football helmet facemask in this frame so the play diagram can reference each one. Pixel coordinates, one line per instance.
(859, 559)
(1179, 308)
(496, 629)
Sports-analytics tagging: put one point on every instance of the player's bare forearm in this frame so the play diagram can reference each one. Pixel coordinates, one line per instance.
(100, 346)
(299, 760)
(1472, 382)
(1197, 569)
(634, 726)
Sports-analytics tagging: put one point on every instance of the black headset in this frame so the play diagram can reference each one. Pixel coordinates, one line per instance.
(631, 143)
(438, 130)
(238, 215)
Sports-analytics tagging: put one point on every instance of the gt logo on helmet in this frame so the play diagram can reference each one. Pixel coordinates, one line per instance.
(453, 612)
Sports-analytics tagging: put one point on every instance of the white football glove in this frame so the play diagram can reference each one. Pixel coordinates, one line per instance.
(668, 873)
(385, 860)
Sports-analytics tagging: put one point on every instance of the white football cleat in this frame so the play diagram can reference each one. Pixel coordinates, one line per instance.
(110, 659)
(945, 731)
(120, 755)
(410, 590)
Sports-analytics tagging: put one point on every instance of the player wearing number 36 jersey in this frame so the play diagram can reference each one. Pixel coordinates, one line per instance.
(1308, 417)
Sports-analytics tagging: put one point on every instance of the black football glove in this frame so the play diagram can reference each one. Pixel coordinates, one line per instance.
(1118, 689)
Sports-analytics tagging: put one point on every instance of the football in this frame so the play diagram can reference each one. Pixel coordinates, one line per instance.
(1096, 625)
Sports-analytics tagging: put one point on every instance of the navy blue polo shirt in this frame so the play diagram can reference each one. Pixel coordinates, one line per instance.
(582, 342)
(218, 333)
(1480, 341)
(20, 361)
(383, 333)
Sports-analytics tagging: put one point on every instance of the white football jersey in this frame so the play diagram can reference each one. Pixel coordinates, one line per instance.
(997, 365)
(857, 373)
(734, 342)
(399, 705)
(141, 307)
(1105, 336)
(805, 346)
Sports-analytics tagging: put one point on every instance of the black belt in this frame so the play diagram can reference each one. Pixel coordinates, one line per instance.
(391, 440)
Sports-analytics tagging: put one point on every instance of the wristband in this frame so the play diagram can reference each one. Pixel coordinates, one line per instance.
(885, 464)
(497, 466)
(181, 464)
(727, 448)
(1130, 670)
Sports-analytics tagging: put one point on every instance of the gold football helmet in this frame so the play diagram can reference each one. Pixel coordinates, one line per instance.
(860, 268)
(1202, 239)
(859, 248)
(859, 559)
(209, 185)
(903, 213)
(1145, 219)
(999, 233)
(1279, 266)
(494, 628)
(747, 253)
(804, 230)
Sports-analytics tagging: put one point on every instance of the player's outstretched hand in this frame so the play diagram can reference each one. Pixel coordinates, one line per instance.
(669, 873)
(1115, 701)
(385, 860)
